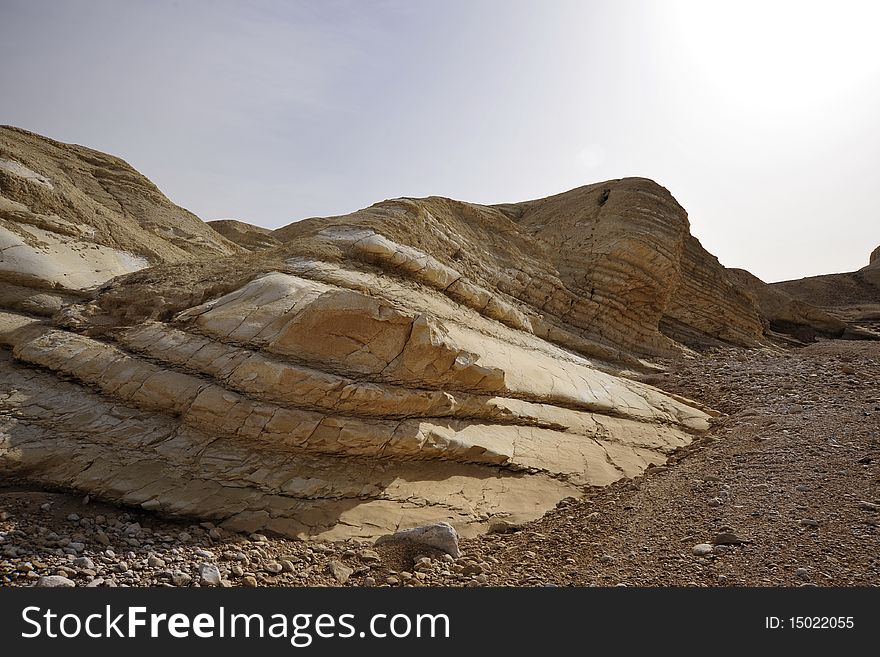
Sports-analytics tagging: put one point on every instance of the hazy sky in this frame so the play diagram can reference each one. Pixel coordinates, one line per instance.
(760, 117)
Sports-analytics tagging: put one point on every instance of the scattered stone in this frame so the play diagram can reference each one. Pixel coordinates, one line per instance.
(249, 581)
(84, 562)
(209, 575)
(503, 527)
(440, 535)
(155, 562)
(340, 571)
(54, 582)
(273, 567)
(808, 522)
(702, 549)
(727, 538)
(369, 556)
(181, 579)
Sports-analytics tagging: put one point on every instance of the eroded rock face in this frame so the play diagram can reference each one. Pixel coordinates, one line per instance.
(252, 238)
(419, 361)
(608, 270)
(310, 409)
(72, 218)
(786, 314)
(852, 296)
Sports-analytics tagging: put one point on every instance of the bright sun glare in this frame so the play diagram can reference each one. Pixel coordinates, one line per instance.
(779, 57)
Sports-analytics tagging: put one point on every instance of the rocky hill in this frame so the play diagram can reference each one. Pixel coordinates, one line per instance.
(853, 296)
(72, 218)
(252, 238)
(418, 360)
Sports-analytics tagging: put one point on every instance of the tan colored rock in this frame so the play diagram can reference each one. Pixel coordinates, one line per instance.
(786, 314)
(854, 297)
(708, 307)
(416, 362)
(252, 238)
(72, 217)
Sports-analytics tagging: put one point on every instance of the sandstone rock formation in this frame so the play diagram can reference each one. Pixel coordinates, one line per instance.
(418, 361)
(786, 314)
(852, 296)
(252, 238)
(72, 218)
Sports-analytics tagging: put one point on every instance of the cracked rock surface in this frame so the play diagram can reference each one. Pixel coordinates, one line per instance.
(419, 361)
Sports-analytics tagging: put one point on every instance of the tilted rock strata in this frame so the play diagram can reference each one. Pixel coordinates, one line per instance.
(72, 217)
(709, 306)
(312, 410)
(417, 361)
(786, 314)
(252, 238)
(601, 270)
(853, 296)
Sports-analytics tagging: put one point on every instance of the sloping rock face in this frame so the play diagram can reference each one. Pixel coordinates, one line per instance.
(603, 270)
(786, 314)
(852, 296)
(252, 238)
(419, 361)
(72, 218)
(311, 409)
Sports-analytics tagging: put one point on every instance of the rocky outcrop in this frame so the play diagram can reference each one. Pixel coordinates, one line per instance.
(252, 238)
(788, 315)
(708, 307)
(415, 362)
(852, 296)
(72, 218)
(602, 270)
(310, 409)
(874, 260)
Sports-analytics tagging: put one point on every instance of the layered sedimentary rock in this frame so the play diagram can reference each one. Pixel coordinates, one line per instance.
(786, 314)
(852, 296)
(603, 270)
(309, 409)
(419, 360)
(72, 218)
(252, 238)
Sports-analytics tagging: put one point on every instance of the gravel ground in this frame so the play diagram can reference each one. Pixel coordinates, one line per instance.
(784, 491)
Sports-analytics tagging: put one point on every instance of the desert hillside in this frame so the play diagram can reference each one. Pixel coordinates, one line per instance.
(853, 296)
(341, 378)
